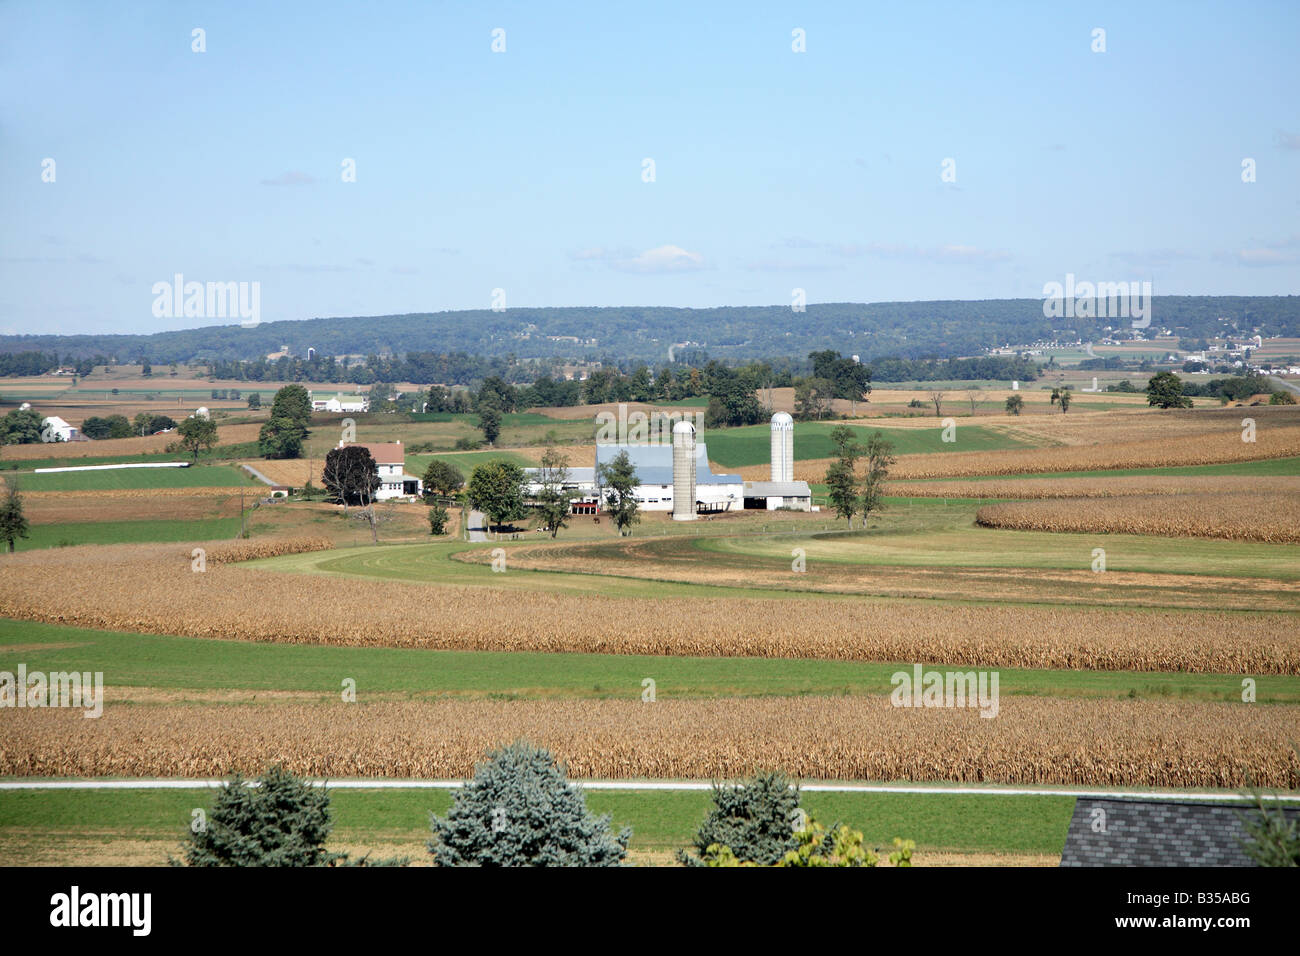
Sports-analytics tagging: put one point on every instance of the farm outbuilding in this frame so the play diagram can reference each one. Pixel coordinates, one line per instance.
(774, 495)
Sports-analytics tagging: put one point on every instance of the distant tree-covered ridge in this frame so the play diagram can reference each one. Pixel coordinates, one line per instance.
(906, 330)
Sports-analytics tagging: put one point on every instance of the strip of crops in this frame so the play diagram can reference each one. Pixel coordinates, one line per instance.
(152, 589)
(1031, 740)
(1212, 448)
(1274, 518)
(1101, 487)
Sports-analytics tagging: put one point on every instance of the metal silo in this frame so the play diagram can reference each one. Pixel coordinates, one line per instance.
(782, 447)
(683, 472)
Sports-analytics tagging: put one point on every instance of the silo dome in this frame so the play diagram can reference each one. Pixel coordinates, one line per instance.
(685, 428)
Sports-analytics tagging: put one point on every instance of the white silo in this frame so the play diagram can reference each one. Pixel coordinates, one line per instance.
(683, 472)
(782, 447)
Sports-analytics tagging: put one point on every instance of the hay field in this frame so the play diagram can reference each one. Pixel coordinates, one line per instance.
(1272, 517)
(151, 589)
(1031, 740)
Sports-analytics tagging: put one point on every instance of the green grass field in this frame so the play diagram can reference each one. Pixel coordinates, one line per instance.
(159, 661)
(752, 444)
(126, 532)
(219, 453)
(32, 823)
(198, 476)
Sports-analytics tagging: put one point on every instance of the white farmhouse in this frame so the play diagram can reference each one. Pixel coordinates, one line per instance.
(390, 458)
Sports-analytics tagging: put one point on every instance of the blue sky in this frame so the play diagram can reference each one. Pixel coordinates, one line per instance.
(523, 170)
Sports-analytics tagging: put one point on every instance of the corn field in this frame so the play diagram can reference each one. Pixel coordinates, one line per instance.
(1274, 518)
(1031, 741)
(1212, 448)
(1117, 486)
(152, 589)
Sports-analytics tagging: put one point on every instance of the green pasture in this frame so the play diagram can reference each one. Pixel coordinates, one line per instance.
(172, 662)
(34, 823)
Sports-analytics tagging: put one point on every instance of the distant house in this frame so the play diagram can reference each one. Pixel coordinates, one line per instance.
(1117, 831)
(341, 403)
(55, 428)
(390, 457)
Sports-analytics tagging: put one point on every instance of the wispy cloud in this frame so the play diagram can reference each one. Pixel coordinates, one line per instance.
(949, 253)
(1280, 252)
(1287, 140)
(1152, 258)
(292, 178)
(657, 261)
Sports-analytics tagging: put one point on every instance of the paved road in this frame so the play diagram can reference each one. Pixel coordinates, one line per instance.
(1285, 384)
(477, 526)
(386, 784)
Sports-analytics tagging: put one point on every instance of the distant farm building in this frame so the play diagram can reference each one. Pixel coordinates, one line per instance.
(680, 474)
(55, 428)
(340, 403)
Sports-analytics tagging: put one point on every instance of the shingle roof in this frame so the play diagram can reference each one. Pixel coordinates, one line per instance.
(385, 453)
(654, 463)
(1129, 832)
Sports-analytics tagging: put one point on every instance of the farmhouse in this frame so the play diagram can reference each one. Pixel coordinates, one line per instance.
(390, 458)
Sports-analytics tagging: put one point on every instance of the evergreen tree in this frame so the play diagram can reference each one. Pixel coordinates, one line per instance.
(519, 810)
(13, 523)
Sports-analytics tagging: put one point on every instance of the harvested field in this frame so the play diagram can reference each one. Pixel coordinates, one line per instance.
(1262, 517)
(1273, 441)
(1118, 486)
(149, 445)
(294, 472)
(61, 507)
(1030, 741)
(681, 560)
(151, 589)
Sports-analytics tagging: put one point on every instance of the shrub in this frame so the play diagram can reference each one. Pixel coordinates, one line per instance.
(754, 820)
(437, 520)
(519, 810)
(468, 444)
(283, 821)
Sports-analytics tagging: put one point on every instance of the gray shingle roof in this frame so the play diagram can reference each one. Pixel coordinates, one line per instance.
(1132, 832)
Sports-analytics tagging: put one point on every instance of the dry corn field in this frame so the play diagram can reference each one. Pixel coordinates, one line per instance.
(1031, 740)
(268, 548)
(1273, 441)
(151, 589)
(1100, 487)
(1274, 518)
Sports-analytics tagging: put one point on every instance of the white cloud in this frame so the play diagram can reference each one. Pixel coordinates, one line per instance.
(658, 261)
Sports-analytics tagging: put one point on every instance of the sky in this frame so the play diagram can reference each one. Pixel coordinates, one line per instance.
(908, 151)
